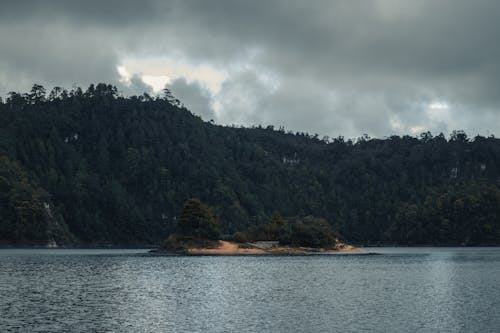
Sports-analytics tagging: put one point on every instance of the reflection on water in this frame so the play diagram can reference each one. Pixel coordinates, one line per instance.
(404, 290)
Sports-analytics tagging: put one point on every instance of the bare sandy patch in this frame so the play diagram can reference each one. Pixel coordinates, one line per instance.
(346, 248)
(225, 248)
(231, 248)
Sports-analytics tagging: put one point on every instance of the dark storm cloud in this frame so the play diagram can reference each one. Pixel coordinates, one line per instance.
(332, 67)
(109, 12)
(69, 42)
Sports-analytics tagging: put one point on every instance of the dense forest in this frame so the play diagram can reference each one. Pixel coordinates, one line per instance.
(95, 168)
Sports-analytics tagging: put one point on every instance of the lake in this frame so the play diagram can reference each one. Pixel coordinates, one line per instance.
(402, 290)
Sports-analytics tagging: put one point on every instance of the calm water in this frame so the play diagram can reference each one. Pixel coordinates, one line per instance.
(403, 290)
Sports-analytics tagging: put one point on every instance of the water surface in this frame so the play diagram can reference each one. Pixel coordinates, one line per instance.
(403, 290)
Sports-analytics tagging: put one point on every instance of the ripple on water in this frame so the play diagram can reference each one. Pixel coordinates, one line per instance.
(404, 290)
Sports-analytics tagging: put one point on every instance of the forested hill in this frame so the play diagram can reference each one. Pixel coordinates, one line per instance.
(90, 167)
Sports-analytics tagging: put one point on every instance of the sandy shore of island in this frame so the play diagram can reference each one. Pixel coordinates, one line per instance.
(347, 248)
(226, 248)
(231, 248)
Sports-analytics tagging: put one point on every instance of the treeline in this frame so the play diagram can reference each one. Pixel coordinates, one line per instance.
(308, 231)
(199, 226)
(117, 170)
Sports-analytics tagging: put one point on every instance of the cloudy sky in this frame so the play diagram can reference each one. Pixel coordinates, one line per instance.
(379, 67)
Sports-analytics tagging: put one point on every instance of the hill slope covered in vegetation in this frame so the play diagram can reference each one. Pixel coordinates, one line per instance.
(97, 168)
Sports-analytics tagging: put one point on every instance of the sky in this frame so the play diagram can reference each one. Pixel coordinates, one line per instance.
(335, 68)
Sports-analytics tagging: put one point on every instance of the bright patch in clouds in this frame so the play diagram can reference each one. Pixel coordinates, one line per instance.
(157, 82)
(159, 71)
(417, 130)
(439, 112)
(124, 74)
(438, 106)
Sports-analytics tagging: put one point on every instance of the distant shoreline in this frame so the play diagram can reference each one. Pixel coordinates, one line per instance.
(426, 245)
(155, 246)
(76, 247)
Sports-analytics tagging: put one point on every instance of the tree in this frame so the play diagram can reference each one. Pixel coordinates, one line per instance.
(169, 97)
(37, 94)
(313, 232)
(277, 219)
(197, 220)
(277, 226)
(458, 136)
(55, 94)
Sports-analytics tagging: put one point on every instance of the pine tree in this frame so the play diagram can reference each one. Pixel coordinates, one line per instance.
(197, 220)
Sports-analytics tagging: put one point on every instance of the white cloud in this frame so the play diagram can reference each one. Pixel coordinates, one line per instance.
(438, 106)
(158, 70)
(125, 76)
(157, 82)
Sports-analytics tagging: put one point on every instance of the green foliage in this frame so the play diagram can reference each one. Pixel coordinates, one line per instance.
(312, 232)
(240, 237)
(26, 212)
(466, 213)
(118, 170)
(309, 231)
(197, 220)
(277, 220)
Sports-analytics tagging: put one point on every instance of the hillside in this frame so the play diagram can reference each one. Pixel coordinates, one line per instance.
(105, 169)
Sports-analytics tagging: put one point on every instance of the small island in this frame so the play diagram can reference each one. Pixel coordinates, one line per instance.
(198, 232)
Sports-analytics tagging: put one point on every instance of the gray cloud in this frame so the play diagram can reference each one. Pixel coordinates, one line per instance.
(135, 86)
(55, 54)
(331, 67)
(83, 13)
(196, 98)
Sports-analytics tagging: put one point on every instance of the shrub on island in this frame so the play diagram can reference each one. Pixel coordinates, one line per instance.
(197, 226)
(309, 231)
